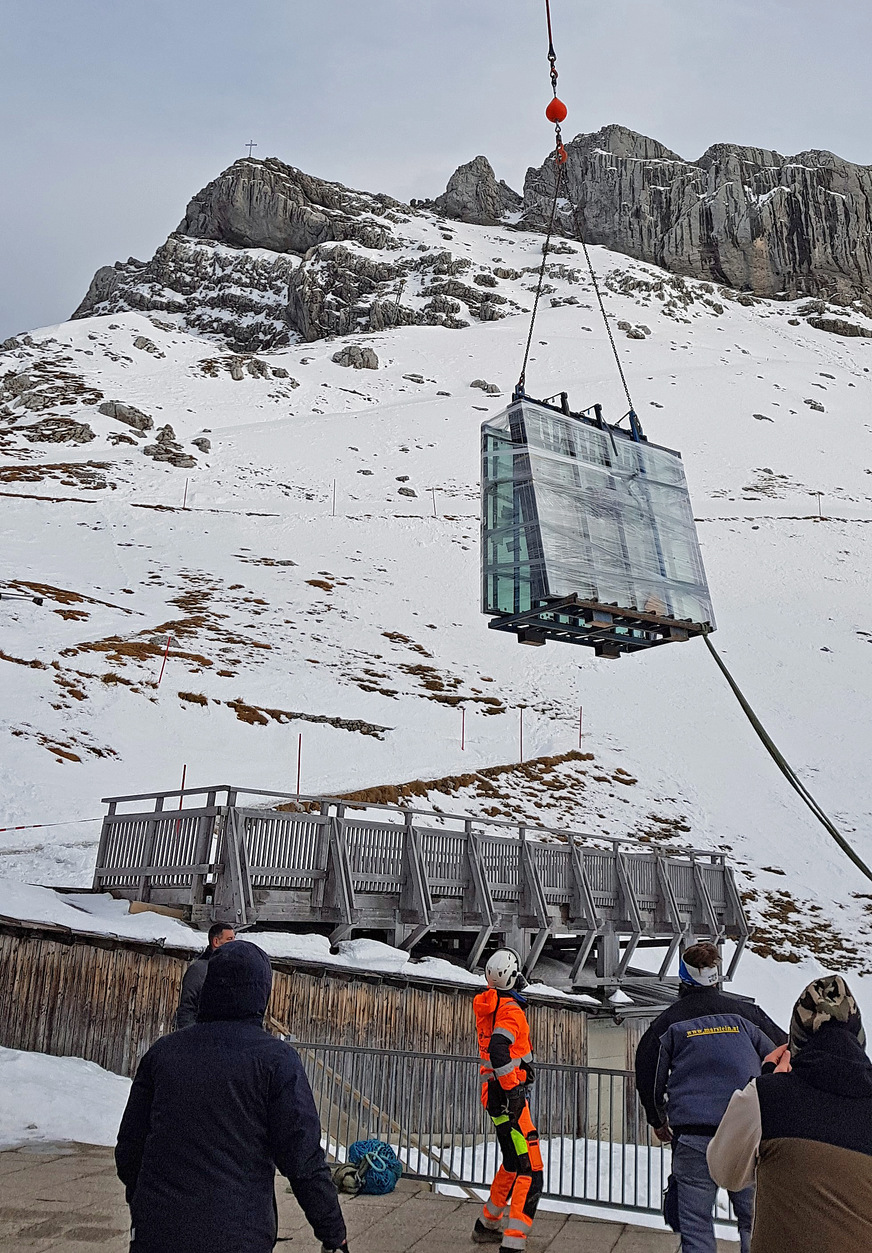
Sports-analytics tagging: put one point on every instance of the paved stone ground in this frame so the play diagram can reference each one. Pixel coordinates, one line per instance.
(66, 1197)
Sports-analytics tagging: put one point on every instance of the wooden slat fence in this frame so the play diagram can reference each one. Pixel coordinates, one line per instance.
(109, 1000)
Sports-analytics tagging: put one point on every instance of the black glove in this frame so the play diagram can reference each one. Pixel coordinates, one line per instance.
(335, 1248)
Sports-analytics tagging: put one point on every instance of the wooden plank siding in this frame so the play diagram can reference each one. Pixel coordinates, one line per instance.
(109, 1000)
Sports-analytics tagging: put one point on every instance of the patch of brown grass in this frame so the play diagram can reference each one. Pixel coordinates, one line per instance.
(534, 770)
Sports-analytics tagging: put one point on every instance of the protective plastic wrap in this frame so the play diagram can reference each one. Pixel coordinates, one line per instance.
(573, 508)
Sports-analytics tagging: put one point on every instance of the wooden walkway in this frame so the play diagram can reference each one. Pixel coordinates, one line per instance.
(66, 1197)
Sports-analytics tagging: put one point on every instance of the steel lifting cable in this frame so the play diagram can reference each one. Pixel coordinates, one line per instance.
(785, 767)
(556, 113)
(597, 292)
(557, 181)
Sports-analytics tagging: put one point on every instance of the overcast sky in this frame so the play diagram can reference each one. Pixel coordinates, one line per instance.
(115, 112)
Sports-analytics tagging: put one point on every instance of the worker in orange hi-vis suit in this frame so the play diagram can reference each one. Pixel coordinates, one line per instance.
(507, 1073)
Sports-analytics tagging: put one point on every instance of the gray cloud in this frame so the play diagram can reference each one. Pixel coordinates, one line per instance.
(115, 113)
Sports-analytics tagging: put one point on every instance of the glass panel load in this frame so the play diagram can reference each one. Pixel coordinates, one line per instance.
(587, 533)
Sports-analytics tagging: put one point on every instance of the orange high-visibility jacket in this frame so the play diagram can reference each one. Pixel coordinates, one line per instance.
(503, 1039)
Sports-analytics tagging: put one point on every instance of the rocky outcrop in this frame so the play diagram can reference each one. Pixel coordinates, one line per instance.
(128, 414)
(266, 254)
(239, 298)
(356, 357)
(57, 431)
(169, 449)
(474, 195)
(745, 217)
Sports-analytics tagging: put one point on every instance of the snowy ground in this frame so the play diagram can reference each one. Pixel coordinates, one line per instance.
(46, 1098)
(280, 611)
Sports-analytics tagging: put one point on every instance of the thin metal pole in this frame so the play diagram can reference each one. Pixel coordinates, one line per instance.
(299, 759)
(433, 490)
(181, 799)
(463, 729)
(580, 716)
(185, 498)
(334, 499)
(521, 731)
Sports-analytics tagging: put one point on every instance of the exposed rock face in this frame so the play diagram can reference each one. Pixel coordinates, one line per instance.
(745, 217)
(232, 295)
(266, 254)
(267, 204)
(57, 431)
(474, 195)
(126, 413)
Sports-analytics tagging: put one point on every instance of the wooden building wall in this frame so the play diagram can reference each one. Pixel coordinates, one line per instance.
(108, 1001)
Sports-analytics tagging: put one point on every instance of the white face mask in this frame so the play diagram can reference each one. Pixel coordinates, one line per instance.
(705, 976)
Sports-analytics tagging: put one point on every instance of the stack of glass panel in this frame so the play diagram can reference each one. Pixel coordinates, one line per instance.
(572, 507)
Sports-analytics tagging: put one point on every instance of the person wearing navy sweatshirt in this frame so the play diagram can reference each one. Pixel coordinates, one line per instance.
(212, 1112)
(689, 1063)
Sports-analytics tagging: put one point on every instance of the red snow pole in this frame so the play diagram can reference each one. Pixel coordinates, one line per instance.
(164, 662)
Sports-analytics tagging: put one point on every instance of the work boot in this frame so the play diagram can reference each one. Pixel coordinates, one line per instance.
(486, 1235)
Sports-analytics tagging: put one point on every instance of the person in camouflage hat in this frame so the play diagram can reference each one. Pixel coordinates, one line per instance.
(825, 1000)
(805, 1129)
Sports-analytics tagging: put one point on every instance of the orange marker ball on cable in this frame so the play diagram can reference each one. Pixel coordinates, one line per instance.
(556, 111)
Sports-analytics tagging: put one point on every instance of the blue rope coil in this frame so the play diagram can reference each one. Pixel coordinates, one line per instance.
(378, 1165)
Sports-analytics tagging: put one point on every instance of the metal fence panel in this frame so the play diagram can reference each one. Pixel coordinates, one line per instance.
(427, 1106)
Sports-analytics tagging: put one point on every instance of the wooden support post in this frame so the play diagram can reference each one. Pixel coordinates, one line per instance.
(478, 901)
(148, 849)
(532, 900)
(416, 904)
(339, 888)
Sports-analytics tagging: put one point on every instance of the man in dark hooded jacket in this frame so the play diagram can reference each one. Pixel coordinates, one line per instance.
(213, 1111)
(220, 933)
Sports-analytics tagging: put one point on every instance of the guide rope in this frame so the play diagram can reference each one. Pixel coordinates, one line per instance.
(785, 767)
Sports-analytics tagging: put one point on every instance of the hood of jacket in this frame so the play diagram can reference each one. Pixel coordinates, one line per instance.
(835, 1061)
(237, 985)
(486, 1002)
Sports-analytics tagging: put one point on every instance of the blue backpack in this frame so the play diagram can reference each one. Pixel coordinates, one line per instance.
(373, 1168)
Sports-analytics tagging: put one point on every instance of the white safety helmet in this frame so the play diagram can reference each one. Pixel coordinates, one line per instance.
(503, 969)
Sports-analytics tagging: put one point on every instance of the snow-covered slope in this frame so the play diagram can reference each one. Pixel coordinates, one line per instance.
(360, 629)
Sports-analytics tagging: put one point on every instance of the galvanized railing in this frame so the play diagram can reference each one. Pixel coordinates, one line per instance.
(596, 1145)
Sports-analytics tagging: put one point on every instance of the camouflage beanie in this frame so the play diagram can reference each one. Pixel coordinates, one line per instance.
(827, 999)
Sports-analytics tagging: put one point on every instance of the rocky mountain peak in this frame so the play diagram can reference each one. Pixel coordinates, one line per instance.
(266, 253)
(267, 204)
(623, 142)
(474, 195)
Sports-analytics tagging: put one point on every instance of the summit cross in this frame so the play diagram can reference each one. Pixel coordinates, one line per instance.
(251, 144)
